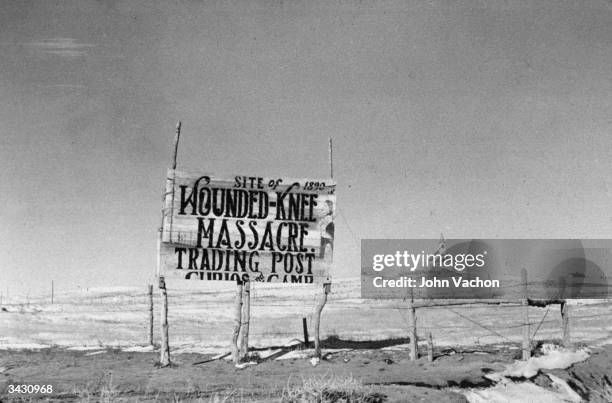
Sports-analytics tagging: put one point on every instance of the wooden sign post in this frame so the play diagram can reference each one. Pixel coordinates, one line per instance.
(246, 317)
(164, 359)
(326, 285)
(238, 324)
(317, 318)
(246, 229)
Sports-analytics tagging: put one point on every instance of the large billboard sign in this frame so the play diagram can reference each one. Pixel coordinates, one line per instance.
(247, 228)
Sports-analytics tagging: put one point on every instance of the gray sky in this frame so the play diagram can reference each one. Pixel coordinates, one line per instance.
(477, 119)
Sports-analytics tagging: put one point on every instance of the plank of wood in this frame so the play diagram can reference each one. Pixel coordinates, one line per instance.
(215, 358)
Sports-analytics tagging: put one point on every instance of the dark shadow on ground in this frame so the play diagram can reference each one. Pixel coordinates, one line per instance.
(333, 342)
(337, 342)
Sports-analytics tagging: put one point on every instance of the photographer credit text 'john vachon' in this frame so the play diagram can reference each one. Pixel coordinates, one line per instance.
(424, 282)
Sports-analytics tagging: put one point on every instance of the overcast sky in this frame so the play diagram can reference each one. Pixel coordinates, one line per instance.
(487, 119)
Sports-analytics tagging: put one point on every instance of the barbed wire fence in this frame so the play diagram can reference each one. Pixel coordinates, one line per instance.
(201, 320)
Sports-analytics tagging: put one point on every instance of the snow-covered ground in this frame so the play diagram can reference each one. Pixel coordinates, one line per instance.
(507, 390)
(201, 318)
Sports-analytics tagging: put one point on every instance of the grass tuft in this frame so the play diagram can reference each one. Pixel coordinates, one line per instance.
(603, 392)
(330, 389)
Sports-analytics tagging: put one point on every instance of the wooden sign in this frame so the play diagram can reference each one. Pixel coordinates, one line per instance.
(247, 228)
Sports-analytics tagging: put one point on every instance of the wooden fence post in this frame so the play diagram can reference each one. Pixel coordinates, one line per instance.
(525, 303)
(317, 318)
(164, 359)
(237, 325)
(151, 314)
(565, 324)
(246, 317)
(305, 328)
(412, 331)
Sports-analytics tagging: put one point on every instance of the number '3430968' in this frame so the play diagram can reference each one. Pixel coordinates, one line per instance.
(26, 389)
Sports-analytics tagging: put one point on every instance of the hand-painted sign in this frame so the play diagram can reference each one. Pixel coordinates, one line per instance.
(247, 228)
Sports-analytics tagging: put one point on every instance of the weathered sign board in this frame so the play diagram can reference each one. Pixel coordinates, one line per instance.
(247, 228)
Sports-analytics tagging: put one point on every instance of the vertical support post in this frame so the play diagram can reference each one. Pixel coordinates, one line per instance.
(327, 284)
(526, 345)
(237, 324)
(177, 136)
(430, 347)
(412, 330)
(331, 159)
(164, 359)
(565, 310)
(246, 317)
(317, 318)
(52, 291)
(305, 328)
(176, 142)
(150, 293)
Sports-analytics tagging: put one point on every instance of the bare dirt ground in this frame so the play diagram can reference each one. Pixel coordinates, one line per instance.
(82, 348)
(385, 375)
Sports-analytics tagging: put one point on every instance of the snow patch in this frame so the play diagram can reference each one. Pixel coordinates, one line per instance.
(24, 346)
(514, 393)
(307, 353)
(197, 349)
(268, 353)
(296, 354)
(245, 364)
(507, 391)
(553, 358)
(397, 347)
(139, 349)
(96, 352)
